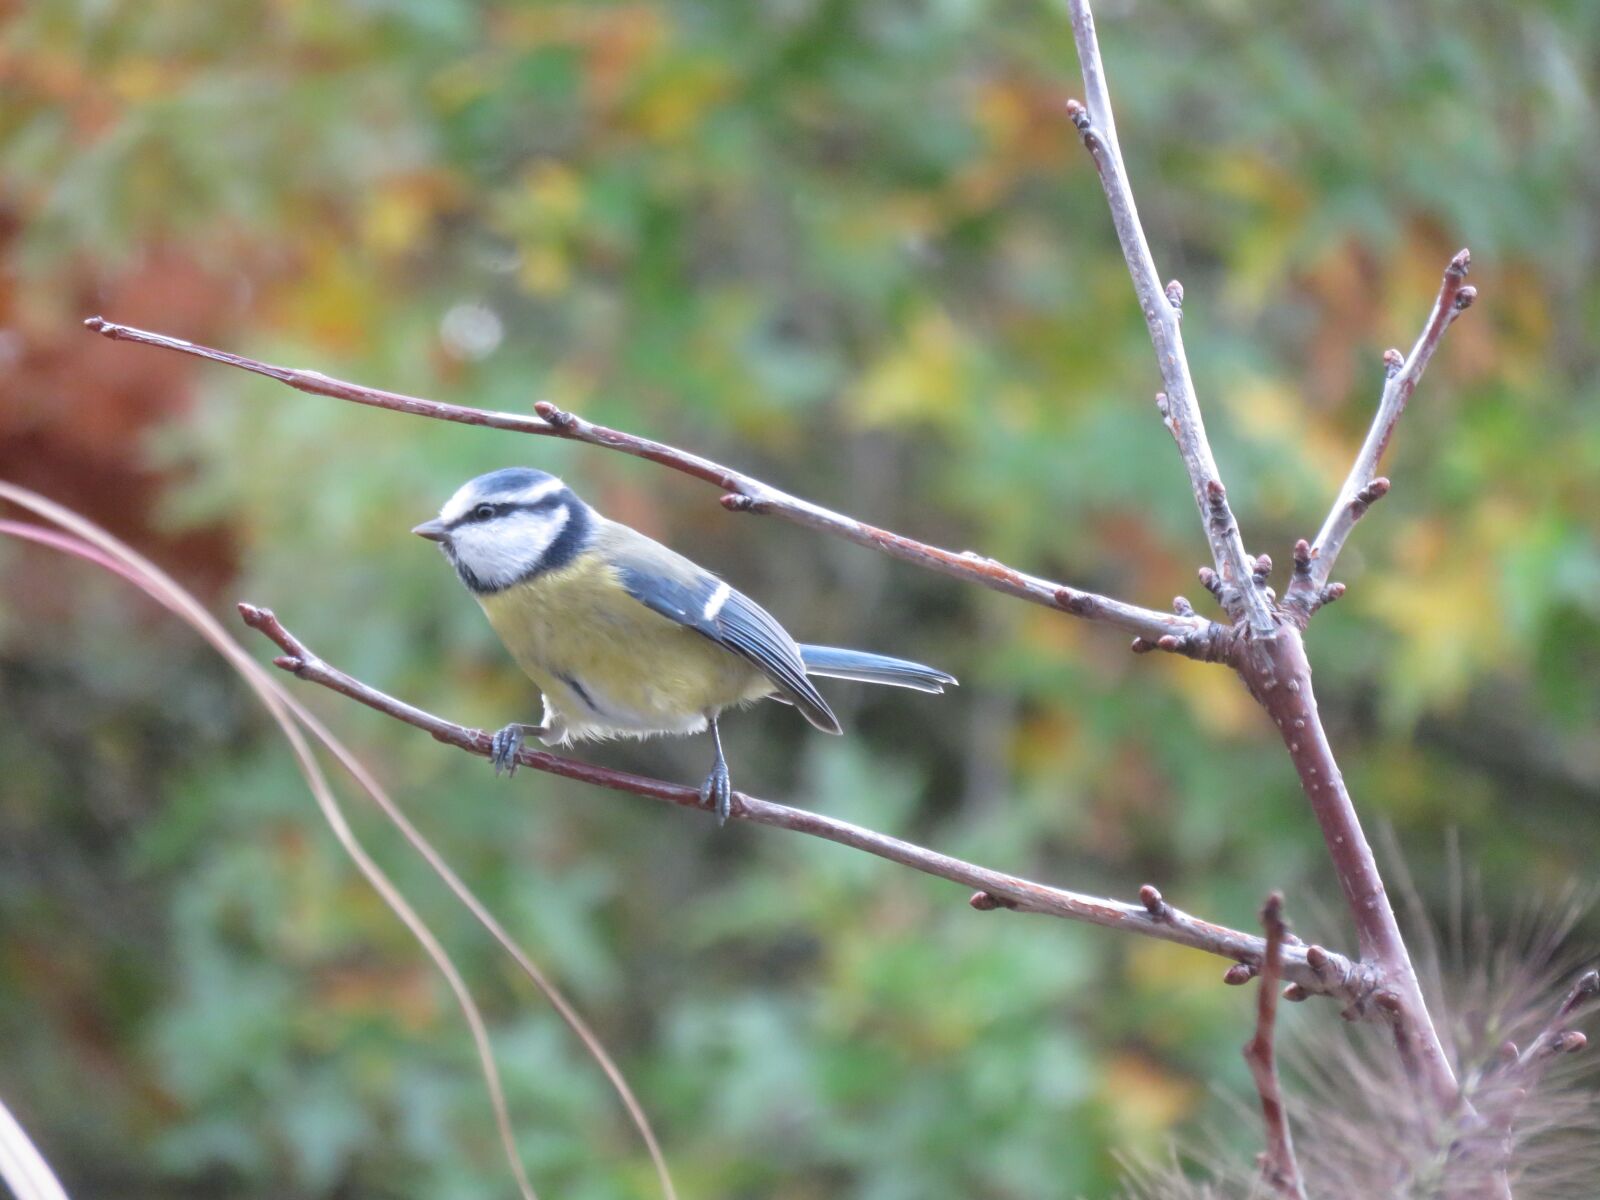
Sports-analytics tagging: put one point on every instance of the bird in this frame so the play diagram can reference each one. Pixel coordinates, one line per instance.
(623, 636)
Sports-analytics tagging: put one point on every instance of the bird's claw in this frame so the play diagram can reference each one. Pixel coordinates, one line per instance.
(716, 793)
(503, 749)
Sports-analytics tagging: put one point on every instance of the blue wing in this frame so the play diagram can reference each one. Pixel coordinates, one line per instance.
(668, 584)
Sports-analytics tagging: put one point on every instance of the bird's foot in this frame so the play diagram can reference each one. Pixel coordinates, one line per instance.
(716, 792)
(505, 745)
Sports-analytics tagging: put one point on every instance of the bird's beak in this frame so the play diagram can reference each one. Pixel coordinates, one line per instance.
(434, 531)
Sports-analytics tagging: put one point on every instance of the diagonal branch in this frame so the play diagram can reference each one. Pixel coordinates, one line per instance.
(1363, 486)
(1279, 1169)
(1241, 595)
(1315, 970)
(1186, 634)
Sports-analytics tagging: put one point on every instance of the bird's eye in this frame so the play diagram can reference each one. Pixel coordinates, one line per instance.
(483, 512)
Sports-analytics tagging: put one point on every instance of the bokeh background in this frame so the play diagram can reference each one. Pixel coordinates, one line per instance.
(854, 248)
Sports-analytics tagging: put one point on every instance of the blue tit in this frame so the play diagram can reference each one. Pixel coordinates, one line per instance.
(624, 637)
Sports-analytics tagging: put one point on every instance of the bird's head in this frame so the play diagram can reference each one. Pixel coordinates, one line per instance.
(508, 526)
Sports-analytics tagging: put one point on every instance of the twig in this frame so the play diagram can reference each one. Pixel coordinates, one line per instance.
(1401, 378)
(1519, 1072)
(1555, 1038)
(1336, 975)
(1278, 1166)
(1162, 307)
(1190, 635)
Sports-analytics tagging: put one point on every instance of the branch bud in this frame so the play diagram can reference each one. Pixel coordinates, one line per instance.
(1367, 497)
(1295, 993)
(1073, 601)
(1393, 360)
(1175, 295)
(1239, 974)
(1154, 904)
(1140, 646)
(1460, 264)
(1302, 557)
(1210, 581)
(1079, 115)
(1465, 298)
(557, 417)
(1263, 568)
(1181, 606)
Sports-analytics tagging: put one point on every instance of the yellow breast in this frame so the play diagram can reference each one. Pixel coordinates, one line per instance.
(609, 665)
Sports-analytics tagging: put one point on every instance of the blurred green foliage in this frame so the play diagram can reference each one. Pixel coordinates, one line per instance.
(852, 247)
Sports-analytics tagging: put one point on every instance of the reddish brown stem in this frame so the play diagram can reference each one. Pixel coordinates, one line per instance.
(1279, 675)
(1279, 1169)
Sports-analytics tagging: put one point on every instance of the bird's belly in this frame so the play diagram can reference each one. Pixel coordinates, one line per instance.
(608, 666)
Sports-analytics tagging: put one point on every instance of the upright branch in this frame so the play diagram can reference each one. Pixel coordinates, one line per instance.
(1279, 1170)
(1186, 634)
(1317, 971)
(1363, 486)
(1269, 652)
(1241, 596)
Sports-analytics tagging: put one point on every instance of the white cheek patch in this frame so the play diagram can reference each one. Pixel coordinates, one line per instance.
(508, 548)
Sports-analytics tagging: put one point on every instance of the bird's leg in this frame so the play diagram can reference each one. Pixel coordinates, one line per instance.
(503, 747)
(505, 744)
(717, 790)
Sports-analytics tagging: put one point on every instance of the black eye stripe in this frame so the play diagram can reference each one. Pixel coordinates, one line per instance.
(501, 508)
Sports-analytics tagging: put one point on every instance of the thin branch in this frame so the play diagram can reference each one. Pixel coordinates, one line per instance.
(1401, 378)
(1555, 1038)
(1278, 1166)
(1520, 1071)
(1331, 975)
(1162, 307)
(1190, 635)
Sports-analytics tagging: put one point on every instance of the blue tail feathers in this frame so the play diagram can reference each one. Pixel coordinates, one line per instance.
(833, 662)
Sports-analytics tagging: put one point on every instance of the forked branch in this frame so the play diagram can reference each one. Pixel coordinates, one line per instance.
(1186, 634)
(1318, 971)
(1269, 654)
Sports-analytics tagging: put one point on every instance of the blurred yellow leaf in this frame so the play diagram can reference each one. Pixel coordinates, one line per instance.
(669, 108)
(1441, 595)
(921, 378)
(1215, 698)
(1143, 1097)
(544, 270)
